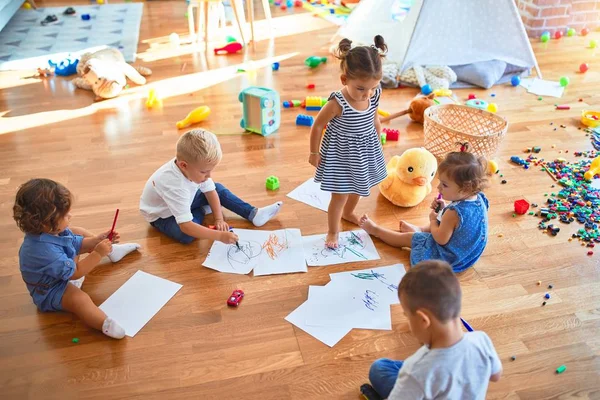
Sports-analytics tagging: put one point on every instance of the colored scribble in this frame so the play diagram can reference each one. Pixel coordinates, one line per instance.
(370, 300)
(375, 275)
(242, 255)
(273, 246)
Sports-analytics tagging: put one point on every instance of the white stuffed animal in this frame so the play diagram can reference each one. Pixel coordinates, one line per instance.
(105, 72)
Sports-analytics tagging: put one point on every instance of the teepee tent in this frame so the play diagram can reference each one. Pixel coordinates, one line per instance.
(449, 33)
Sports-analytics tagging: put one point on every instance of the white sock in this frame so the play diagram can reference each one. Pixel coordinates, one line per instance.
(112, 329)
(121, 250)
(77, 282)
(263, 215)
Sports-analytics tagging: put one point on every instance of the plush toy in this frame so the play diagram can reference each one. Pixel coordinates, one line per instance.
(416, 110)
(409, 177)
(105, 72)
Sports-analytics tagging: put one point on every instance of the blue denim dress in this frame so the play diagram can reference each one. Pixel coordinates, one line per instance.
(47, 262)
(468, 239)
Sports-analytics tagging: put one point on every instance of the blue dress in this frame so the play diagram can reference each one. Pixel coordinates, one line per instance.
(47, 263)
(468, 239)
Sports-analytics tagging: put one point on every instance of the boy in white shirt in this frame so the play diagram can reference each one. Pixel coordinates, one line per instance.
(175, 196)
(450, 364)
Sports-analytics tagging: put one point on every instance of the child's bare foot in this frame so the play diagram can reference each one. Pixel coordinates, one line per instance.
(331, 240)
(351, 218)
(408, 227)
(367, 224)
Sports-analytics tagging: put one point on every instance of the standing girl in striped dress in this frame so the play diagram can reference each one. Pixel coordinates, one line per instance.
(349, 159)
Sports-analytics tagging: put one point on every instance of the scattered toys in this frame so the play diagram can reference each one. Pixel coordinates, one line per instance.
(383, 138)
(583, 68)
(492, 107)
(383, 113)
(564, 81)
(314, 103)
(314, 61)
(547, 296)
(571, 32)
(561, 369)
(275, 66)
(515, 80)
(539, 283)
(558, 35)
(392, 134)
(65, 67)
(477, 103)
(310, 86)
(521, 206)
(593, 44)
(272, 183)
(492, 167)
(590, 118)
(593, 170)
(304, 120)
(196, 115)
(153, 99)
(261, 110)
(545, 37)
(536, 149)
(75, 340)
(85, 17)
(442, 92)
(585, 31)
(563, 107)
(235, 298)
(230, 48)
(426, 90)
(471, 96)
(513, 358)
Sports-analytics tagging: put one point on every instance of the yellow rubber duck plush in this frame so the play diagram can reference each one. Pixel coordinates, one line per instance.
(409, 177)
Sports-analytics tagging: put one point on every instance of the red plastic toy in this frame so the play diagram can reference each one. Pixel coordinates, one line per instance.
(521, 206)
(558, 34)
(472, 96)
(298, 3)
(235, 298)
(310, 86)
(230, 48)
(391, 134)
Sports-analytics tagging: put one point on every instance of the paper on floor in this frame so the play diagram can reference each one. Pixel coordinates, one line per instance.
(138, 300)
(310, 193)
(353, 246)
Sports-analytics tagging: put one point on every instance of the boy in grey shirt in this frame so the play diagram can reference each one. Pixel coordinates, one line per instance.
(450, 364)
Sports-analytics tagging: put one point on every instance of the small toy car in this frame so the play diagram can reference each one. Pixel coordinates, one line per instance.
(235, 298)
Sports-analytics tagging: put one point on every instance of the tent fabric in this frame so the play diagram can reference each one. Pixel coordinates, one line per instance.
(444, 32)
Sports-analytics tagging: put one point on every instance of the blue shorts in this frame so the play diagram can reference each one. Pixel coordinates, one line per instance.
(49, 299)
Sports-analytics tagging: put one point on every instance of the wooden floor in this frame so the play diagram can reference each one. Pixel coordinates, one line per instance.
(196, 347)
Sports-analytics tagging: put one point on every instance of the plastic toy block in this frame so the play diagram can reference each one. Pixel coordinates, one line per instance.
(75, 340)
(383, 138)
(275, 66)
(304, 120)
(521, 206)
(537, 149)
(561, 369)
(392, 134)
(314, 103)
(272, 183)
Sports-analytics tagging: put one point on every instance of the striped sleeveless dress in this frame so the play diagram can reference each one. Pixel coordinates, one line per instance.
(352, 159)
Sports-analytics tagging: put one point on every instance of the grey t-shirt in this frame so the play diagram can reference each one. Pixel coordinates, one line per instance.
(459, 372)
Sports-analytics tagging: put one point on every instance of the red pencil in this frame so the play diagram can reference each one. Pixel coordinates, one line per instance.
(110, 235)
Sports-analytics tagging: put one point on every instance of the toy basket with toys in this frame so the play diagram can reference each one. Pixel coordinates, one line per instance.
(448, 124)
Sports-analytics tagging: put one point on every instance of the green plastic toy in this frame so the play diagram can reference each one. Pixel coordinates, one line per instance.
(272, 183)
(314, 61)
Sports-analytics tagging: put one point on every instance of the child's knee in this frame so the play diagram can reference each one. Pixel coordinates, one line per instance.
(376, 368)
(74, 296)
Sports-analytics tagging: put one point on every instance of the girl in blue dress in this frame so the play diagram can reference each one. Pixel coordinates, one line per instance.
(458, 232)
(349, 159)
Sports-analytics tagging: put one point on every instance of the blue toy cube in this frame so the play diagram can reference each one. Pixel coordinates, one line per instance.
(261, 110)
(305, 120)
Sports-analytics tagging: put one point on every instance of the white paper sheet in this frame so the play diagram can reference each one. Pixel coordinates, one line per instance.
(329, 335)
(543, 87)
(361, 305)
(138, 300)
(310, 193)
(267, 252)
(383, 279)
(353, 246)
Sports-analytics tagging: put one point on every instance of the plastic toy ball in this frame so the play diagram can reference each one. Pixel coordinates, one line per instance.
(593, 44)
(426, 90)
(558, 34)
(571, 32)
(583, 68)
(492, 107)
(564, 81)
(585, 31)
(515, 80)
(545, 37)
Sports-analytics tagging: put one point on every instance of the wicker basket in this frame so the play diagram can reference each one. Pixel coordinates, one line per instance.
(448, 124)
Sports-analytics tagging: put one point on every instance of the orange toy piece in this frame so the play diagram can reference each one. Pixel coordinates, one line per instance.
(415, 111)
(197, 115)
(230, 48)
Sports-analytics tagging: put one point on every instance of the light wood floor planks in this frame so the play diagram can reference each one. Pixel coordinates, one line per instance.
(196, 347)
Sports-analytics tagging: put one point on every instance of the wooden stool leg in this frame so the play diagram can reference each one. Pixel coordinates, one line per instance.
(237, 19)
(191, 23)
(206, 24)
(267, 10)
(251, 19)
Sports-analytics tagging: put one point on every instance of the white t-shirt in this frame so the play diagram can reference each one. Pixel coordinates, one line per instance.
(169, 193)
(461, 372)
